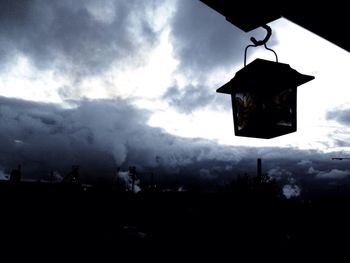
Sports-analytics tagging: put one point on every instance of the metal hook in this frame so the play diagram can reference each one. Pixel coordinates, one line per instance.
(267, 37)
(260, 43)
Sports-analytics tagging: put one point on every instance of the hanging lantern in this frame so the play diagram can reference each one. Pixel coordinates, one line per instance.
(264, 96)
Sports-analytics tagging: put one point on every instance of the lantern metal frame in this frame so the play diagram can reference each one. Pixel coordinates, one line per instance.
(266, 92)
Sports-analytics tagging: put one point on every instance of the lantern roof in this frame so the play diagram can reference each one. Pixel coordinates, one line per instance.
(264, 75)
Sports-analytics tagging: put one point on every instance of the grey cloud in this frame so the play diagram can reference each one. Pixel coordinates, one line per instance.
(203, 40)
(205, 173)
(298, 165)
(278, 173)
(3, 176)
(98, 135)
(305, 163)
(67, 35)
(341, 143)
(192, 98)
(341, 116)
(333, 174)
(290, 191)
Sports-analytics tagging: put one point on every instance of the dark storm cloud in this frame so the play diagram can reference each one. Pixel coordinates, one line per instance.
(203, 40)
(98, 135)
(341, 116)
(68, 36)
(192, 98)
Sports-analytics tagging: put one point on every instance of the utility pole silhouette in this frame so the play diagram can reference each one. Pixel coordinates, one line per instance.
(259, 168)
(132, 175)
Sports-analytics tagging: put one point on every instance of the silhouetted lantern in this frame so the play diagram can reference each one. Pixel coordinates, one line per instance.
(264, 99)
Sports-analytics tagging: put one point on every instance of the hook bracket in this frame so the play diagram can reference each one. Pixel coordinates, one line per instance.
(260, 43)
(264, 41)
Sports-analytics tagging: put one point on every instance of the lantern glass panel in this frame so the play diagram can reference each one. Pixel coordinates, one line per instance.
(246, 109)
(283, 107)
(269, 110)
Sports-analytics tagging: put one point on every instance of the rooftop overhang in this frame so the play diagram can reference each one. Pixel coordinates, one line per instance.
(328, 19)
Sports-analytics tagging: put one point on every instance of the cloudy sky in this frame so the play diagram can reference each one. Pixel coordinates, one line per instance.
(116, 83)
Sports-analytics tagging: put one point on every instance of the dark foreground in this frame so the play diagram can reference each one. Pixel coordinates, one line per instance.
(57, 221)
